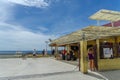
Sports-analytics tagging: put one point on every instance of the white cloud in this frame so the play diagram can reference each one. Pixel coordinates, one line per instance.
(5, 10)
(32, 3)
(19, 38)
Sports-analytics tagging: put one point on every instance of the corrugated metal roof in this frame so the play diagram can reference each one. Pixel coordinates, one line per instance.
(115, 24)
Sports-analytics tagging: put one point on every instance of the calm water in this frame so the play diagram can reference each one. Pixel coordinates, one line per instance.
(21, 52)
(12, 54)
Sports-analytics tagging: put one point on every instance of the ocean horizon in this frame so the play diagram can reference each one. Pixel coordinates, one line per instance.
(21, 52)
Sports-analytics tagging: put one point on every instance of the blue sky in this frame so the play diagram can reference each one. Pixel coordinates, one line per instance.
(27, 24)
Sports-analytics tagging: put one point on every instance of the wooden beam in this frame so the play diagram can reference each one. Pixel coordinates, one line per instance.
(84, 54)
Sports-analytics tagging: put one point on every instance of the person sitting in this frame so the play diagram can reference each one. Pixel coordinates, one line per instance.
(68, 56)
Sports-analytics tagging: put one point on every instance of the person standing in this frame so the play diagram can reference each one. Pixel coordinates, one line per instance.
(64, 54)
(43, 52)
(53, 52)
(34, 52)
(71, 55)
(91, 59)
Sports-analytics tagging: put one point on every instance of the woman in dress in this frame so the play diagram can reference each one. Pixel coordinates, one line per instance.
(91, 59)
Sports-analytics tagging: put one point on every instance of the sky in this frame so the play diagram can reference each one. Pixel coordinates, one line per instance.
(28, 24)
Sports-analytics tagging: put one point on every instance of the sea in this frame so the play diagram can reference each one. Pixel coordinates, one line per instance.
(22, 52)
(11, 54)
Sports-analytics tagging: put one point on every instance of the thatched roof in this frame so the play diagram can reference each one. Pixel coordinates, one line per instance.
(88, 33)
(93, 32)
(106, 15)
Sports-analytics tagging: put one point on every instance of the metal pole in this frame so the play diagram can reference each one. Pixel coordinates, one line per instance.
(46, 46)
(112, 24)
(98, 23)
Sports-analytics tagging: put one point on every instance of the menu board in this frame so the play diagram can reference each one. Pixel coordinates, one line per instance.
(107, 52)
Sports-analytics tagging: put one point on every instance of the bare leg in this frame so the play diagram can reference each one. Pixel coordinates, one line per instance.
(90, 65)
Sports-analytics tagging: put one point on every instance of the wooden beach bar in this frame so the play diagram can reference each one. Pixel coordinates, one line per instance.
(104, 40)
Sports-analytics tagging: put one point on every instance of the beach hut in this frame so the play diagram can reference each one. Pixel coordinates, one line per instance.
(105, 40)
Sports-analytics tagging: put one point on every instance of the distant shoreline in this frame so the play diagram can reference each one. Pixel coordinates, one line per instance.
(5, 56)
(20, 52)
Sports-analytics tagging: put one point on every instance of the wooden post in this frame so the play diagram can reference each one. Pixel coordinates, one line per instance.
(68, 48)
(115, 54)
(56, 50)
(98, 53)
(84, 54)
